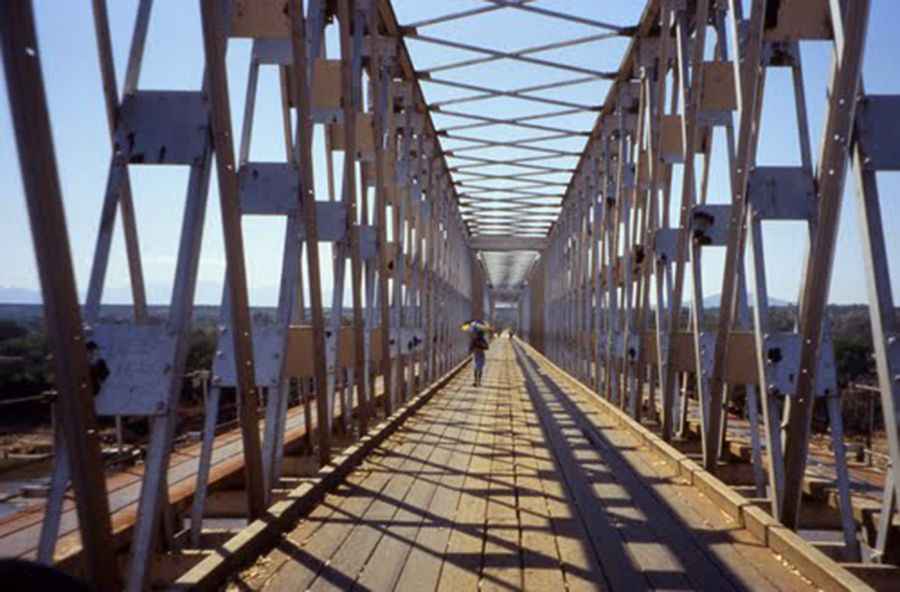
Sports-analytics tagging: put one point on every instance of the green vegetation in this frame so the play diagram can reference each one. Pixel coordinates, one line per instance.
(28, 375)
(202, 349)
(25, 369)
(852, 334)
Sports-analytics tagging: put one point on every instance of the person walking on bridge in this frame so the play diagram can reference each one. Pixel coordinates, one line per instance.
(478, 346)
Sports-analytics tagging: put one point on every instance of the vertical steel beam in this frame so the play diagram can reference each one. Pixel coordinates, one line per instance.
(307, 204)
(126, 203)
(215, 39)
(351, 69)
(117, 184)
(382, 112)
(849, 22)
(28, 105)
(885, 326)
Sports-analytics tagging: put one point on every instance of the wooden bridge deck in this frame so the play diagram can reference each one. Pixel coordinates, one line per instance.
(20, 531)
(517, 484)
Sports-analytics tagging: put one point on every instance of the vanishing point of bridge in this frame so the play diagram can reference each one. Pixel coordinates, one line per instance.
(603, 450)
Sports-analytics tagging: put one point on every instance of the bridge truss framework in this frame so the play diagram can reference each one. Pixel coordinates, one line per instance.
(604, 299)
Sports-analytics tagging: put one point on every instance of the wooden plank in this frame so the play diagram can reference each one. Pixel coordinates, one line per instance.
(502, 563)
(423, 566)
(333, 552)
(578, 563)
(257, 575)
(618, 565)
(541, 564)
(260, 534)
(309, 555)
(327, 89)
(462, 558)
(19, 532)
(652, 552)
(811, 563)
(411, 494)
(517, 481)
(260, 19)
(718, 87)
(681, 516)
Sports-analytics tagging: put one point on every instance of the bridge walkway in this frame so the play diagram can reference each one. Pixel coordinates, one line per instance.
(517, 484)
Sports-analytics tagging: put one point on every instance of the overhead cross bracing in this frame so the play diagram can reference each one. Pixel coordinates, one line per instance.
(417, 194)
(514, 89)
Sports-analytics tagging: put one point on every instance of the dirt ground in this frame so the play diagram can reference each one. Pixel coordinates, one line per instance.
(37, 440)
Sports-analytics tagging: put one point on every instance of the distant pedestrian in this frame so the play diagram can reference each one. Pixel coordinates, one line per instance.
(478, 346)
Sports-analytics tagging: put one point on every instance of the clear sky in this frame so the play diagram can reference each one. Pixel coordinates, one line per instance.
(174, 60)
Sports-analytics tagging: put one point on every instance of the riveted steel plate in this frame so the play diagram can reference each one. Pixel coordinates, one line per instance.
(878, 131)
(140, 360)
(781, 193)
(710, 224)
(268, 346)
(665, 241)
(271, 189)
(164, 127)
(782, 359)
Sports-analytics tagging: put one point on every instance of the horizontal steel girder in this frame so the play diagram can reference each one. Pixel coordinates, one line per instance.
(508, 243)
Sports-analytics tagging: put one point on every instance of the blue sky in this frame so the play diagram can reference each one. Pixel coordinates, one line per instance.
(174, 60)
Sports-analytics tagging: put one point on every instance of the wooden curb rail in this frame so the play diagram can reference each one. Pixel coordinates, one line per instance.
(261, 534)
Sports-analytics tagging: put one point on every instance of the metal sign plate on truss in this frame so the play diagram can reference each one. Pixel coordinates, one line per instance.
(271, 188)
(268, 342)
(164, 127)
(139, 360)
(783, 361)
(879, 129)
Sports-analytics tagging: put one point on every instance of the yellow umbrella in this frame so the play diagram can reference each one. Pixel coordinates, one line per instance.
(475, 325)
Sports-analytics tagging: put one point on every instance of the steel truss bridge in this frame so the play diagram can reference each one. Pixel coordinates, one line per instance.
(600, 453)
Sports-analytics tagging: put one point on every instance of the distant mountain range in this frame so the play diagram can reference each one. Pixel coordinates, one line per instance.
(715, 300)
(12, 295)
(207, 292)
